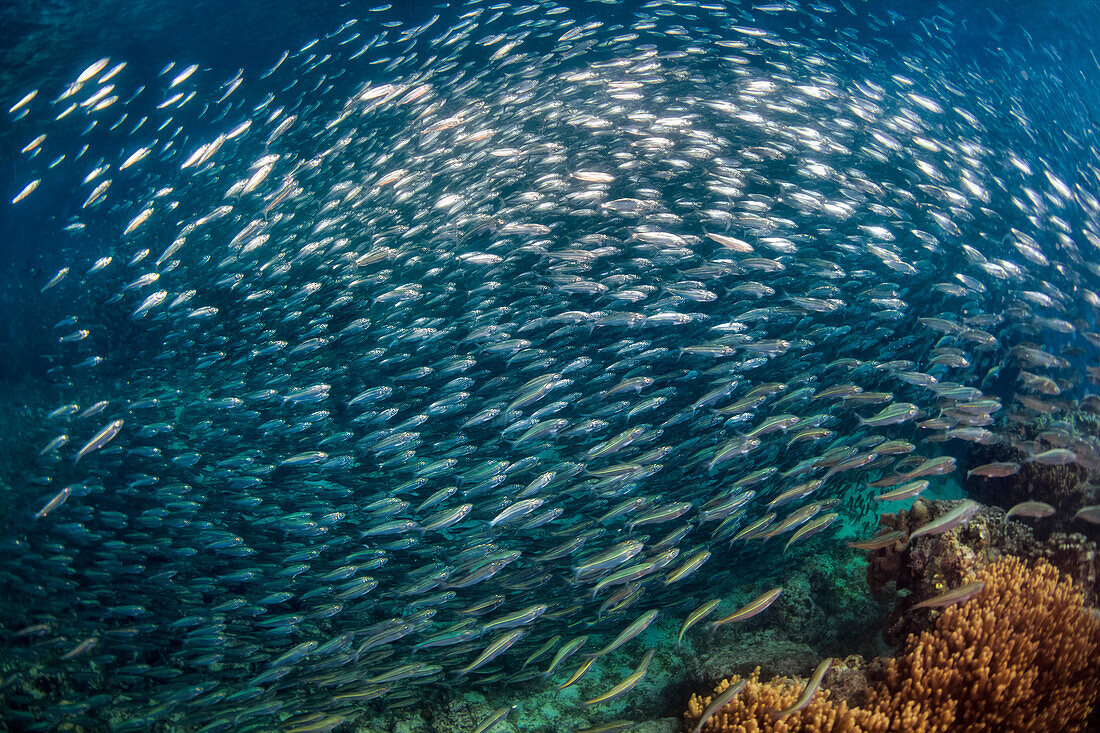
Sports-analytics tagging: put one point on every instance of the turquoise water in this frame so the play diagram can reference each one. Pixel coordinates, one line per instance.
(362, 361)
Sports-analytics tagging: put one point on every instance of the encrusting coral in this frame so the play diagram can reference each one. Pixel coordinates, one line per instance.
(932, 564)
(1022, 655)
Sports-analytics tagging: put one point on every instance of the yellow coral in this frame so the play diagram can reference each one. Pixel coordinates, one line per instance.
(1021, 656)
(751, 711)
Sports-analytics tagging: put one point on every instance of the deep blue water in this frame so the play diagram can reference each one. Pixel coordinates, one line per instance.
(1031, 61)
(1042, 56)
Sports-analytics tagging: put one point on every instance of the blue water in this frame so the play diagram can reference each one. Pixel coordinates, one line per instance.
(1043, 53)
(1035, 82)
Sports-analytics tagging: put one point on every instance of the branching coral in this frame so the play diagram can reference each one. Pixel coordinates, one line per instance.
(932, 564)
(1021, 656)
(751, 711)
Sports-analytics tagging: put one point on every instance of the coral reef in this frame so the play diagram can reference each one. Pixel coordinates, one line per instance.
(1065, 487)
(751, 711)
(1020, 656)
(1075, 556)
(825, 610)
(932, 564)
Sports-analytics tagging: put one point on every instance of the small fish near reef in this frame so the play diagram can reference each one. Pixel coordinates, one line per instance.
(424, 351)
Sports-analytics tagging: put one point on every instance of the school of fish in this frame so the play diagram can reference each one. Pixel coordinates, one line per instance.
(459, 353)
